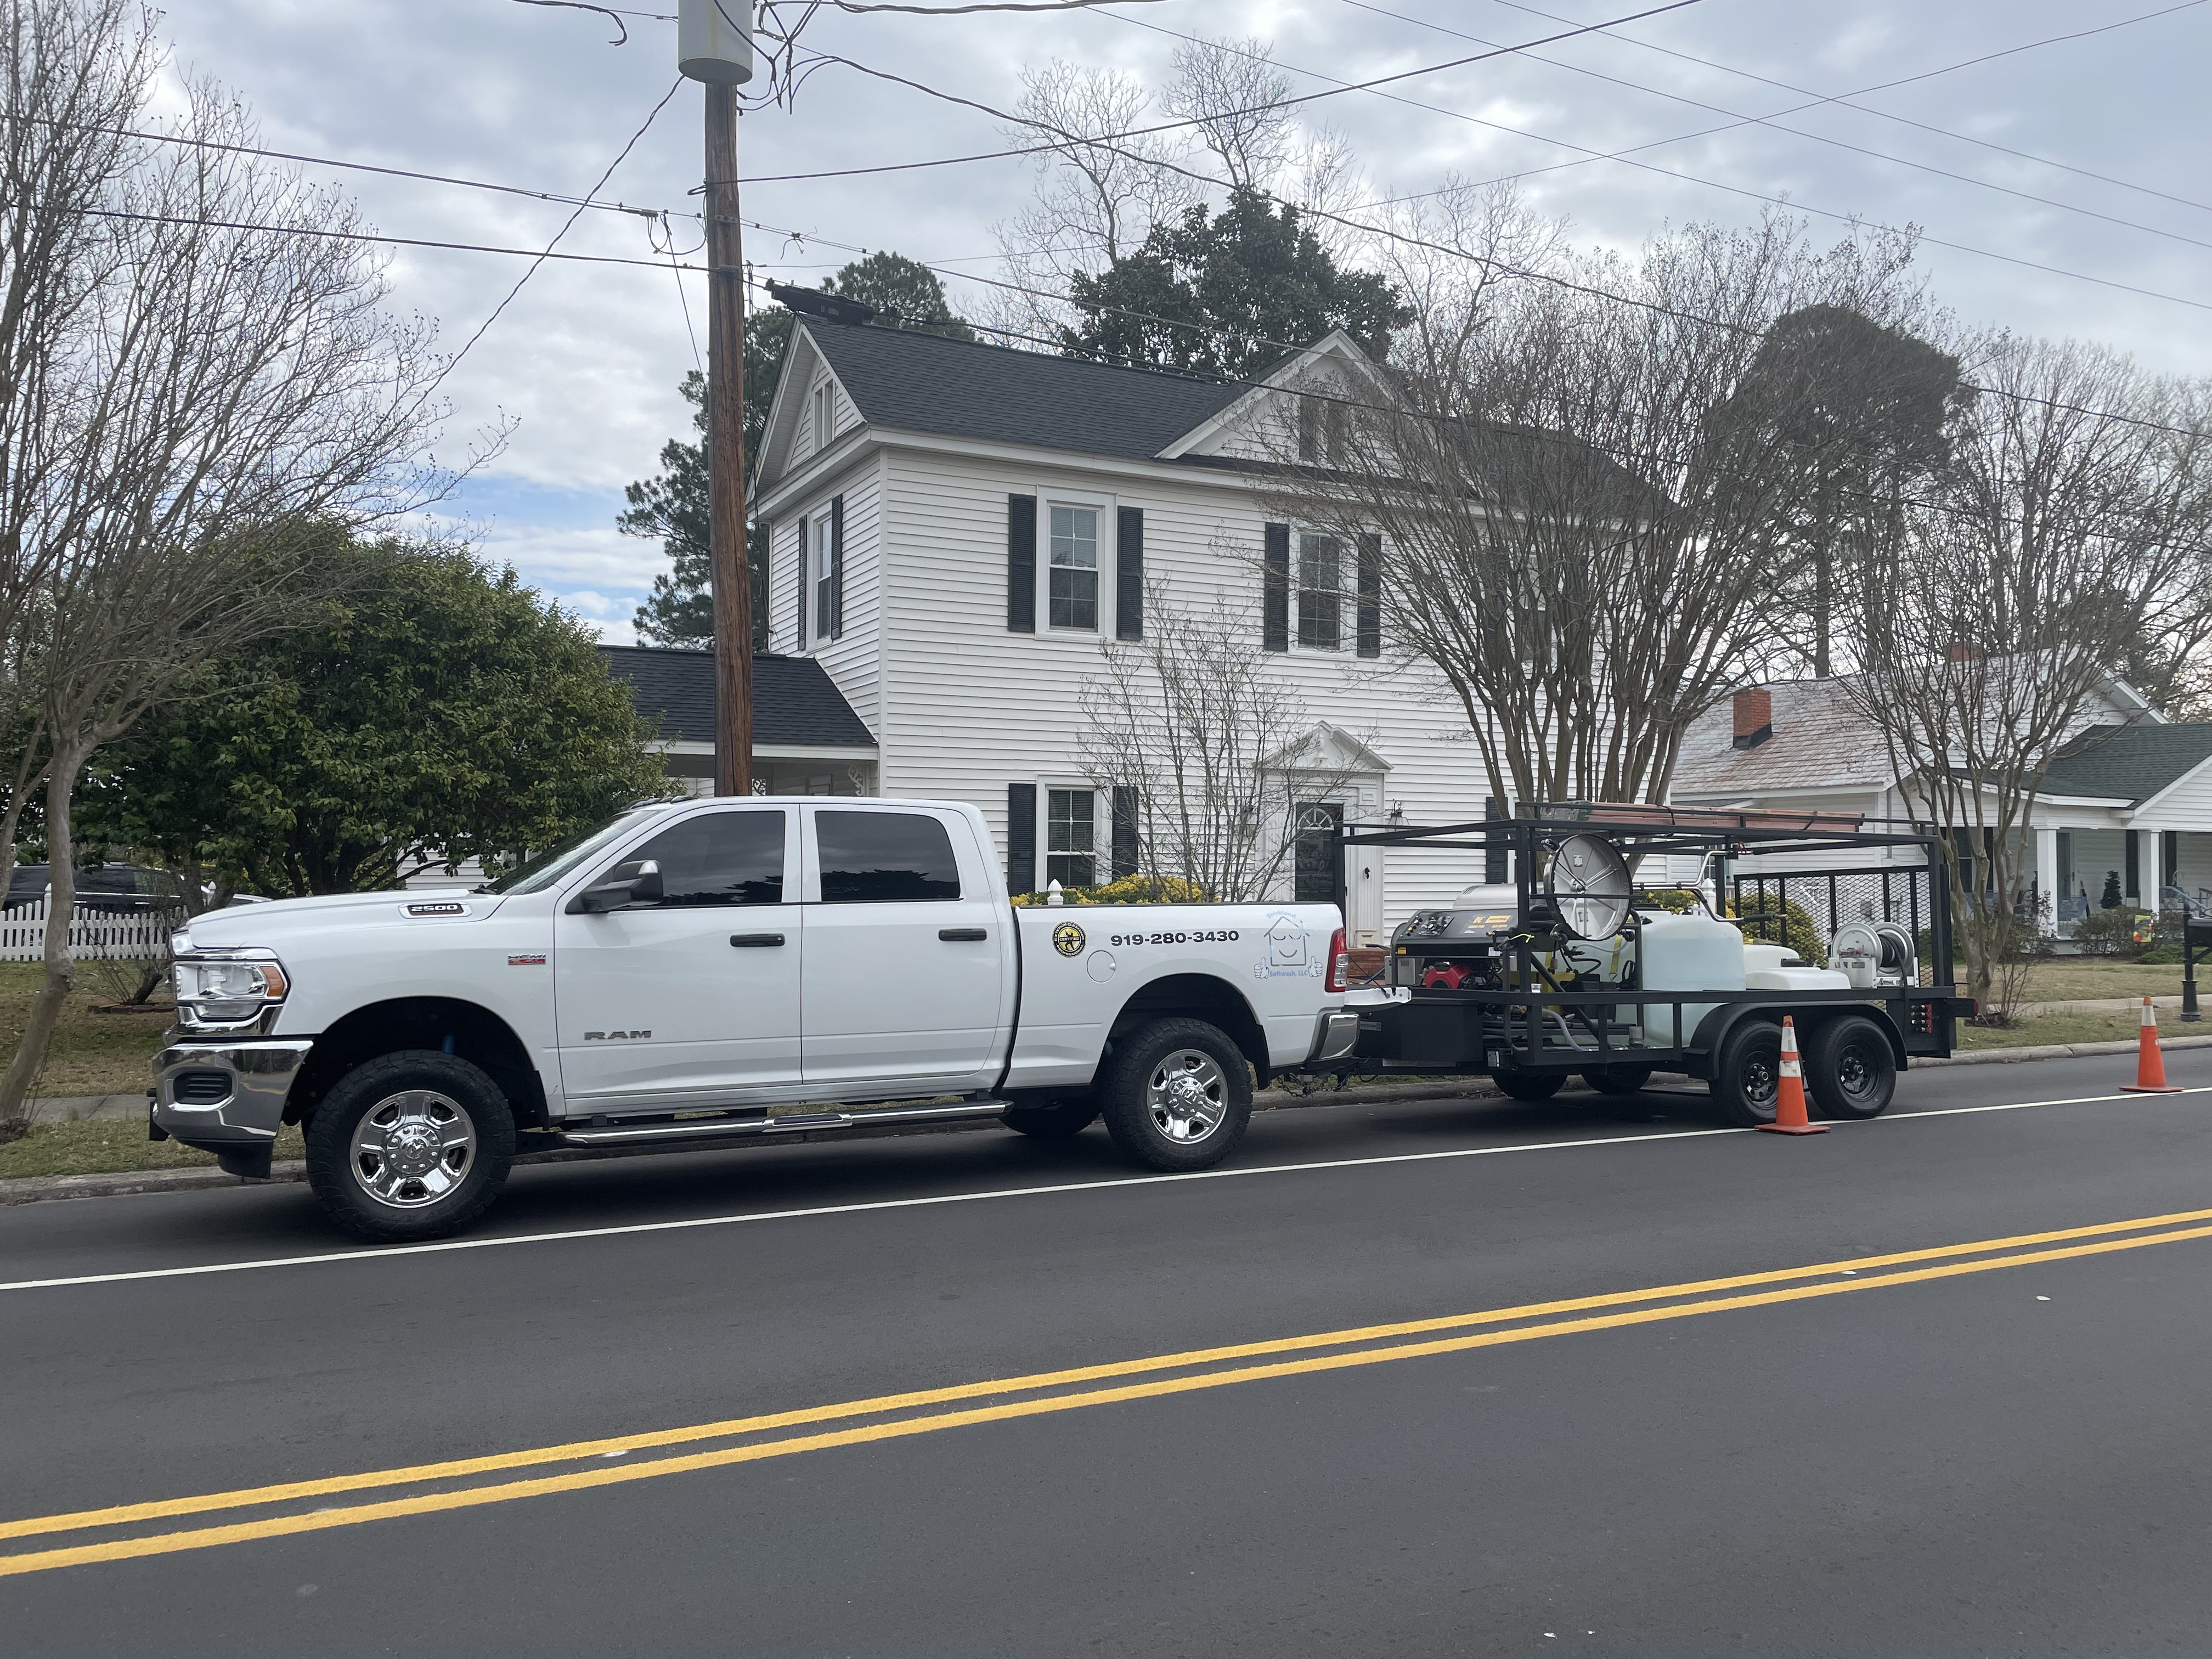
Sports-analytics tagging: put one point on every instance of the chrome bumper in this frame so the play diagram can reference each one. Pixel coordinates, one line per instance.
(246, 1112)
(1335, 1035)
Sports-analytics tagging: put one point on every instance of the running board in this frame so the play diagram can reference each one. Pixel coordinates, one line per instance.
(635, 1133)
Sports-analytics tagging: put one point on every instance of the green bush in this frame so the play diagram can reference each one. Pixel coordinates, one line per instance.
(2162, 956)
(1130, 889)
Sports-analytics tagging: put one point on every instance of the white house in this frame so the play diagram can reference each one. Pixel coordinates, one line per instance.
(958, 529)
(2131, 794)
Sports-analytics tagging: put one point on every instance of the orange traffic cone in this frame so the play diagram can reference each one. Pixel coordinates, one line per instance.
(2150, 1064)
(1789, 1117)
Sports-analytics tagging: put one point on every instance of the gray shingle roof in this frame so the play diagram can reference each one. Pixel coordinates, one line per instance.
(795, 702)
(2128, 763)
(1819, 742)
(927, 383)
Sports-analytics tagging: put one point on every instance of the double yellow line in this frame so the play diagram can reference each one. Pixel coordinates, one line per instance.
(458, 1485)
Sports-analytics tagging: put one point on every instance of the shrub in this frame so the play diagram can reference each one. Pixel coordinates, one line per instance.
(2109, 933)
(1128, 890)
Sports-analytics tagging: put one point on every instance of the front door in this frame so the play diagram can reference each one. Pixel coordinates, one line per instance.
(693, 998)
(907, 957)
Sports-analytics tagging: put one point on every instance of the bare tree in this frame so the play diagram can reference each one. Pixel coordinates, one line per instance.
(2062, 531)
(1572, 505)
(1233, 92)
(1216, 746)
(220, 374)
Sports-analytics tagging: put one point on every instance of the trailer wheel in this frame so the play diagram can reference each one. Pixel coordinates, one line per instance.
(1617, 1079)
(1177, 1095)
(411, 1144)
(1747, 1078)
(1529, 1085)
(1849, 1068)
(1056, 1120)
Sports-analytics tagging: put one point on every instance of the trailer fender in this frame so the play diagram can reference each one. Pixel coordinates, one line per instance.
(1713, 1029)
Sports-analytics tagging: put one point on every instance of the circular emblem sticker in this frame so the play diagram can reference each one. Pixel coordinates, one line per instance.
(1068, 940)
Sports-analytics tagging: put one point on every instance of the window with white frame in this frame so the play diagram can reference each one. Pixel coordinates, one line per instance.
(1072, 596)
(1071, 838)
(822, 566)
(825, 415)
(1321, 564)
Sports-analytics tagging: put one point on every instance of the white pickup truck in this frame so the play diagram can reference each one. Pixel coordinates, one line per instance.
(710, 971)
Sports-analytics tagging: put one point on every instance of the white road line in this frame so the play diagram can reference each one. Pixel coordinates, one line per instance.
(390, 1251)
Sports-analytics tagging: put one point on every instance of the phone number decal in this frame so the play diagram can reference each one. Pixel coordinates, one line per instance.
(1210, 936)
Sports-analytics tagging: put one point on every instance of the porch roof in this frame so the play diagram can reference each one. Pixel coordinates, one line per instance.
(2128, 763)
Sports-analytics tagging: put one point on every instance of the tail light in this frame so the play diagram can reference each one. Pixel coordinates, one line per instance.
(1339, 963)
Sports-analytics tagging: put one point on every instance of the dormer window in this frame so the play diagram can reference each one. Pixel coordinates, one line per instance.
(824, 415)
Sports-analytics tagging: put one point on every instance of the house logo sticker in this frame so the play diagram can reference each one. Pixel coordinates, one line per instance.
(1290, 949)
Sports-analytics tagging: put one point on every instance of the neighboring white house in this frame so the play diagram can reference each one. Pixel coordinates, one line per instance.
(2131, 794)
(958, 529)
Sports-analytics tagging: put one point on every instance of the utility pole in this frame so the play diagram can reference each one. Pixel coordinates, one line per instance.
(715, 46)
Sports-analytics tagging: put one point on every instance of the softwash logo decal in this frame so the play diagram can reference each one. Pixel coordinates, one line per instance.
(1290, 951)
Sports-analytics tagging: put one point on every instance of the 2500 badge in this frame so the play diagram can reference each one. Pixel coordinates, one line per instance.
(1208, 936)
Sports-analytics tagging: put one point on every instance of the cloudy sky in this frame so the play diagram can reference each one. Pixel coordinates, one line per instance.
(2108, 130)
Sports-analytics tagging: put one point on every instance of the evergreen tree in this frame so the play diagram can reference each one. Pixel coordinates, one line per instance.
(1224, 295)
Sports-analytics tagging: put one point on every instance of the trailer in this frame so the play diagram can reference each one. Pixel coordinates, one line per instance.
(1615, 942)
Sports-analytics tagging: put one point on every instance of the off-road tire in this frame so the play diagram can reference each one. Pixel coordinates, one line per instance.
(1058, 1119)
(330, 1146)
(1529, 1085)
(1850, 1070)
(1617, 1079)
(1747, 1074)
(1126, 1094)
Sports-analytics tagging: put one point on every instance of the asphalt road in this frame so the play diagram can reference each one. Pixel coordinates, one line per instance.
(1998, 1451)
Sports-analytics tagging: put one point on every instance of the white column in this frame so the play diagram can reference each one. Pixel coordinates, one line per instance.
(2152, 879)
(2047, 876)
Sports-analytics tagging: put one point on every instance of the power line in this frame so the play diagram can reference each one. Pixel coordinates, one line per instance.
(189, 142)
(1622, 156)
(1843, 99)
(1738, 119)
(1105, 141)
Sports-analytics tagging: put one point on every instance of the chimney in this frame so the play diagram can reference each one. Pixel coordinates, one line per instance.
(1754, 717)
(1961, 652)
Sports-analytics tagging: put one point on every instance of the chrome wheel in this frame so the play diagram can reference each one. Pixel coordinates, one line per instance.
(1187, 1096)
(412, 1149)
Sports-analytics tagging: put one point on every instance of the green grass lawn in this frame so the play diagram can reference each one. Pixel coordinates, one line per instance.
(2119, 1026)
(2082, 978)
(107, 1147)
(92, 1053)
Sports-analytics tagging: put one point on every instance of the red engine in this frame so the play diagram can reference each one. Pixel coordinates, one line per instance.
(1446, 976)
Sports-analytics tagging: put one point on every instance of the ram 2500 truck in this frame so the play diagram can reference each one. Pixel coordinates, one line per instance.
(711, 971)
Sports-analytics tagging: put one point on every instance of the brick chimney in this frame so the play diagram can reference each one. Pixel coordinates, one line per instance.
(1961, 652)
(1754, 717)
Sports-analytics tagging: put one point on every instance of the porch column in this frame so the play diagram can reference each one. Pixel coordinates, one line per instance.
(2152, 878)
(2046, 879)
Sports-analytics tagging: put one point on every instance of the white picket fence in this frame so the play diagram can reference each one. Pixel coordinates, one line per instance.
(125, 939)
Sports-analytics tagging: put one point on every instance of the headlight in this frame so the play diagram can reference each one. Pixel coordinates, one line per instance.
(228, 989)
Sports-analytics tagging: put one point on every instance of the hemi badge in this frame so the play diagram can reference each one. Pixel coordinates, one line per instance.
(525, 962)
(437, 909)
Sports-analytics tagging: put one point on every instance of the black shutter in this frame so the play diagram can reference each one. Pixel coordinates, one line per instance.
(1371, 596)
(1021, 571)
(1021, 838)
(836, 566)
(798, 631)
(1129, 581)
(1275, 591)
(1494, 865)
(1126, 856)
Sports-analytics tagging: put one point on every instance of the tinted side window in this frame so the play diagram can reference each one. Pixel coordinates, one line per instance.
(872, 857)
(723, 857)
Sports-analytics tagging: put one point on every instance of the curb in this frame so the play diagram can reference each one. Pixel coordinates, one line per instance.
(2063, 1051)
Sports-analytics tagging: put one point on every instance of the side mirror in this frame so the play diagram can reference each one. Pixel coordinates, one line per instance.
(638, 881)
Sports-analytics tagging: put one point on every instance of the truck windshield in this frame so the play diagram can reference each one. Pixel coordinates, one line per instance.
(533, 874)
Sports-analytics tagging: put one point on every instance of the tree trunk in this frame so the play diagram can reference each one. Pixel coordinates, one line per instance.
(61, 972)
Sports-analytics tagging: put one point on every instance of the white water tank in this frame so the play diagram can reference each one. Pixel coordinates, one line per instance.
(715, 40)
(1778, 967)
(1692, 952)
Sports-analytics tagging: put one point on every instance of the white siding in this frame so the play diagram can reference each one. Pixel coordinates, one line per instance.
(2186, 804)
(853, 659)
(977, 706)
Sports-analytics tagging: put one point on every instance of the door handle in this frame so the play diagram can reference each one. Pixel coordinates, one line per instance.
(743, 939)
(963, 935)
